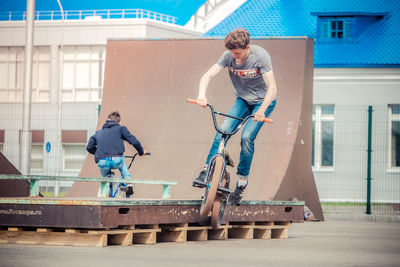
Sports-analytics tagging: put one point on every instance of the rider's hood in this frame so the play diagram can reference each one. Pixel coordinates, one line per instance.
(109, 124)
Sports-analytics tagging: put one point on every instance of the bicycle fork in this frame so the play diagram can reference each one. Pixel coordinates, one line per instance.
(221, 153)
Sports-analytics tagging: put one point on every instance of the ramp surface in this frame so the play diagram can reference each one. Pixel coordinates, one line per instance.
(11, 188)
(147, 81)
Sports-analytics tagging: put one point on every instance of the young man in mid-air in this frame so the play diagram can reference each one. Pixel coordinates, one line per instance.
(251, 73)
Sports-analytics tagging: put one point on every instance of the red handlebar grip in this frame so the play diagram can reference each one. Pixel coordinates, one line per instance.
(268, 120)
(193, 101)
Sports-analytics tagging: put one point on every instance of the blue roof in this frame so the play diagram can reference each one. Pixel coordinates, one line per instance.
(377, 46)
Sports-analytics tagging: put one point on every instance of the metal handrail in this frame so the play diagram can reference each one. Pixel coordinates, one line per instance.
(85, 14)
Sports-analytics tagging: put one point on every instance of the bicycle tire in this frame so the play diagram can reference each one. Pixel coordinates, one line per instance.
(218, 208)
(212, 187)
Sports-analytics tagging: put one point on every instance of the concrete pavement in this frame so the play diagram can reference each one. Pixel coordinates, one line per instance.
(330, 243)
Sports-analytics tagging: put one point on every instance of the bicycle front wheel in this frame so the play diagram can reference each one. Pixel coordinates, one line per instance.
(212, 187)
(218, 208)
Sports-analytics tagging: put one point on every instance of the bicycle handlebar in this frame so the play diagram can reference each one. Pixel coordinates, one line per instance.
(134, 156)
(194, 101)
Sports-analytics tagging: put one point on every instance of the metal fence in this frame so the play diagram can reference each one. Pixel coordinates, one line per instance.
(342, 187)
(355, 184)
(90, 14)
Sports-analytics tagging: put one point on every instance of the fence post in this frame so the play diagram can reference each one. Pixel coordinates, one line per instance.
(369, 152)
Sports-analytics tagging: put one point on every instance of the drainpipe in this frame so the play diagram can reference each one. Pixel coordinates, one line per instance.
(26, 133)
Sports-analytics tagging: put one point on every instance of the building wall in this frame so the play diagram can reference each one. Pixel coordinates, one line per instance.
(352, 91)
(349, 90)
(53, 113)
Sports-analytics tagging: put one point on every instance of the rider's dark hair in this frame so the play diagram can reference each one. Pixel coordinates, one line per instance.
(238, 38)
(114, 116)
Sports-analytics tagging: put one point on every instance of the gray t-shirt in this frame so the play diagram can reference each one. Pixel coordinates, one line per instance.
(247, 78)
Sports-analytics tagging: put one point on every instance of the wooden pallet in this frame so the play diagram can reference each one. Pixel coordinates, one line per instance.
(260, 230)
(142, 234)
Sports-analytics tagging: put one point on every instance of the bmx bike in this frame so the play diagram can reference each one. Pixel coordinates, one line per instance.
(119, 190)
(217, 178)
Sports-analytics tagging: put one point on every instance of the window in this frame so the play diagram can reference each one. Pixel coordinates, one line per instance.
(37, 157)
(82, 73)
(37, 149)
(74, 149)
(12, 71)
(336, 27)
(323, 136)
(394, 136)
(74, 156)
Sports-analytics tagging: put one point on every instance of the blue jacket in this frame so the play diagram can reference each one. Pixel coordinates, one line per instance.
(109, 141)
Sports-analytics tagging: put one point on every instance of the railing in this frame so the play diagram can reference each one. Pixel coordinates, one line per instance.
(104, 182)
(90, 14)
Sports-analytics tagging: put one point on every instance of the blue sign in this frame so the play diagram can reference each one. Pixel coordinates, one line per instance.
(48, 147)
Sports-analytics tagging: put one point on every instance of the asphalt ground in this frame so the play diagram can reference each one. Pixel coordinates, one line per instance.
(329, 243)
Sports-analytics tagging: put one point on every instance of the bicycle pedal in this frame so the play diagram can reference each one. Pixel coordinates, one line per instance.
(225, 190)
(199, 185)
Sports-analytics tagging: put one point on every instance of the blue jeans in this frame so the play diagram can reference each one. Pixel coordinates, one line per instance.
(249, 133)
(107, 164)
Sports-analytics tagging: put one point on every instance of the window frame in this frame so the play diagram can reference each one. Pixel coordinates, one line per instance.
(39, 157)
(75, 157)
(317, 119)
(74, 59)
(14, 61)
(326, 28)
(391, 117)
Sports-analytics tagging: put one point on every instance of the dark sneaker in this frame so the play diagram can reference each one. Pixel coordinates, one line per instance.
(236, 196)
(200, 180)
(129, 190)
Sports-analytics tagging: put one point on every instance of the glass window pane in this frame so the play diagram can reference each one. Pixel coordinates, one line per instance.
(68, 75)
(37, 157)
(44, 75)
(395, 144)
(95, 82)
(333, 25)
(340, 25)
(313, 143)
(82, 75)
(327, 143)
(12, 75)
(3, 95)
(395, 109)
(44, 53)
(68, 53)
(327, 110)
(3, 75)
(20, 75)
(74, 156)
(82, 53)
(3, 53)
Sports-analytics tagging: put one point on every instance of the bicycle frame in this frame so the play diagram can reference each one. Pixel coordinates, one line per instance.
(225, 135)
(113, 193)
(212, 201)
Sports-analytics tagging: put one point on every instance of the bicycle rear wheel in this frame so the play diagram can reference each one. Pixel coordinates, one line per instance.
(211, 187)
(218, 208)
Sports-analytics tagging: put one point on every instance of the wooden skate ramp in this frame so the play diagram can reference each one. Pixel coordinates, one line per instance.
(147, 81)
(11, 188)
